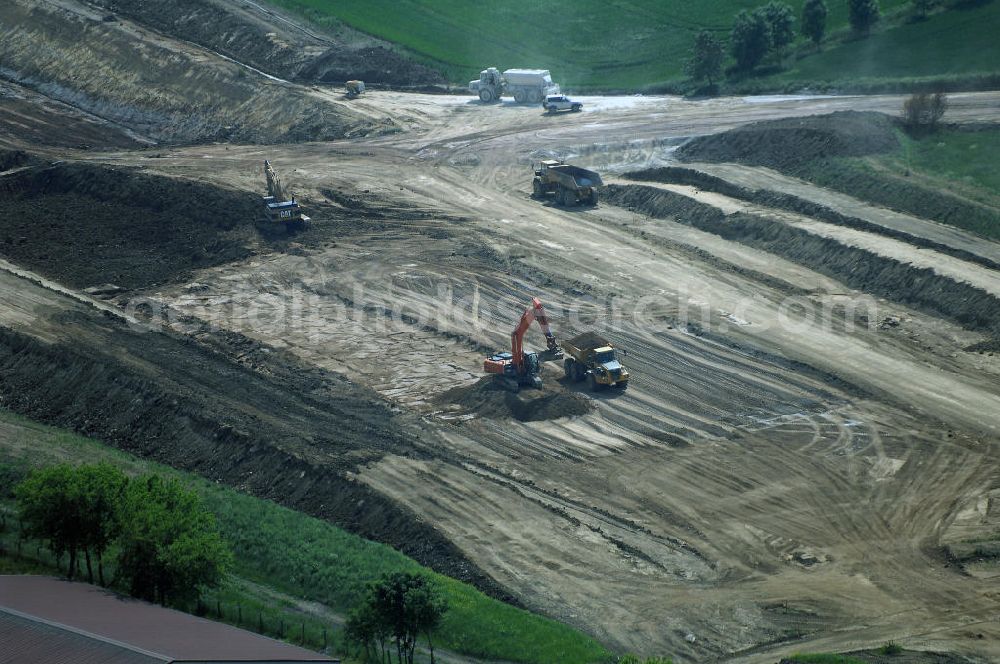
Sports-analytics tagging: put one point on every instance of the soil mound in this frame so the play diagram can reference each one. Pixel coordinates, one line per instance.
(589, 340)
(15, 159)
(84, 224)
(789, 143)
(488, 399)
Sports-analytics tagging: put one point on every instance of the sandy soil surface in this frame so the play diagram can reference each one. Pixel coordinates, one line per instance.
(783, 473)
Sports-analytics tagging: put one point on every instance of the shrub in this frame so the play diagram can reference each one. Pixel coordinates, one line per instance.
(923, 111)
(890, 648)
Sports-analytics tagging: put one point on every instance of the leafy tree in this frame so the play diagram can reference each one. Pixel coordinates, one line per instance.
(49, 510)
(863, 14)
(169, 543)
(814, 20)
(364, 628)
(99, 489)
(706, 58)
(425, 607)
(749, 39)
(781, 25)
(401, 606)
(921, 8)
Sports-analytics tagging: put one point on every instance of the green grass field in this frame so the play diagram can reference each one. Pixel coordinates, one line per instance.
(823, 658)
(593, 44)
(950, 43)
(969, 159)
(302, 557)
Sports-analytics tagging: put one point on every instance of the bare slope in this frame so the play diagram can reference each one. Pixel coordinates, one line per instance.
(163, 89)
(260, 36)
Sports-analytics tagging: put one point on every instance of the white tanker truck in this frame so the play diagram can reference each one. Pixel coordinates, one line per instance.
(525, 85)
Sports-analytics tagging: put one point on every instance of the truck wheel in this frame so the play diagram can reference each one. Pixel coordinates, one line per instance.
(537, 190)
(569, 365)
(577, 108)
(579, 373)
(485, 96)
(593, 197)
(594, 385)
(520, 97)
(534, 96)
(569, 198)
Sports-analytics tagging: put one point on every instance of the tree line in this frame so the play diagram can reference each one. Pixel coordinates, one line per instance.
(770, 30)
(167, 544)
(167, 547)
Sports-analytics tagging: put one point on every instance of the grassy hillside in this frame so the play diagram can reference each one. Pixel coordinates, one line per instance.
(950, 176)
(627, 44)
(294, 556)
(949, 43)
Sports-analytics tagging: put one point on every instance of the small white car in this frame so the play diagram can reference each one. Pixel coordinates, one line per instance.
(555, 103)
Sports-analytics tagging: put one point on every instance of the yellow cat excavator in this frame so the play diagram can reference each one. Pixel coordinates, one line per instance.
(281, 210)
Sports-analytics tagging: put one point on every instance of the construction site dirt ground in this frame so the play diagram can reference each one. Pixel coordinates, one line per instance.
(785, 473)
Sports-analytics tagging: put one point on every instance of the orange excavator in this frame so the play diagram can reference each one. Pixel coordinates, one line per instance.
(518, 369)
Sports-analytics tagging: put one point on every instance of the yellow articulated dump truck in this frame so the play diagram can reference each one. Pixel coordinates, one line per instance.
(589, 356)
(571, 185)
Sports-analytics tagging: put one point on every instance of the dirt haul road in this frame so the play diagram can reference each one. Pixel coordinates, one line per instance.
(795, 452)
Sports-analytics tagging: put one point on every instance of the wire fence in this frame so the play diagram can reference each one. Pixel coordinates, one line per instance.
(268, 619)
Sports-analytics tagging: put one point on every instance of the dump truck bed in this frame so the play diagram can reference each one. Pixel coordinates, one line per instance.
(584, 342)
(581, 177)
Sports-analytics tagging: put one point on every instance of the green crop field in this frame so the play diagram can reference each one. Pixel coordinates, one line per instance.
(950, 43)
(618, 45)
(303, 557)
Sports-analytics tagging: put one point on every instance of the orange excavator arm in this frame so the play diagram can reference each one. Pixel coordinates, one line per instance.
(532, 313)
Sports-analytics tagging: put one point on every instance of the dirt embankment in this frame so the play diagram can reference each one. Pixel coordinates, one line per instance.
(488, 399)
(162, 89)
(920, 288)
(812, 148)
(787, 144)
(86, 225)
(230, 410)
(258, 37)
(901, 657)
(791, 203)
